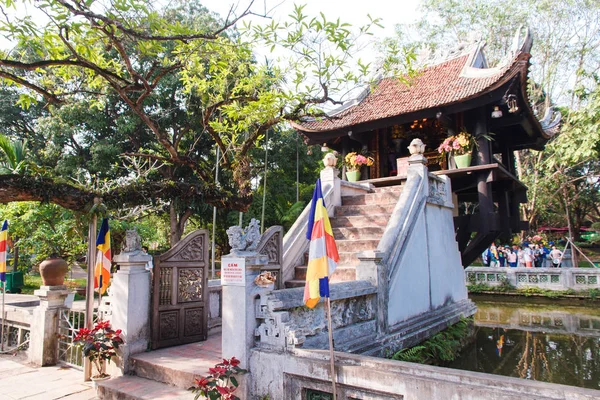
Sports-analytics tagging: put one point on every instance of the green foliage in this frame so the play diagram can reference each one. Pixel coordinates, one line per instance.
(594, 293)
(14, 156)
(505, 285)
(441, 347)
(479, 287)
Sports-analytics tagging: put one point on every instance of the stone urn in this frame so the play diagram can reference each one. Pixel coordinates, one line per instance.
(53, 271)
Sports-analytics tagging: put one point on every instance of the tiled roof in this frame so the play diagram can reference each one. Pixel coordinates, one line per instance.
(438, 85)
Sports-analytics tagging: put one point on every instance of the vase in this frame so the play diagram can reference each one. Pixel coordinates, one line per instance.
(353, 176)
(95, 380)
(463, 161)
(53, 271)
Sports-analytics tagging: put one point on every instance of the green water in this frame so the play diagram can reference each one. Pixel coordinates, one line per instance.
(545, 341)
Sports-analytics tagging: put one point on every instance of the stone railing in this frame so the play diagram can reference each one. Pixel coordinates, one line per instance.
(215, 304)
(18, 324)
(285, 323)
(305, 374)
(544, 278)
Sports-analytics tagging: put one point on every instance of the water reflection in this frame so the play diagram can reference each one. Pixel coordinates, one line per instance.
(545, 342)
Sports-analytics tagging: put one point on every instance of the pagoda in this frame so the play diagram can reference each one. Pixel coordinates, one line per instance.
(460, 93)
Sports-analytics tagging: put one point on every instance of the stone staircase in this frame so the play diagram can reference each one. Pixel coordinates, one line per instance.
(358, 225)
(165, 373)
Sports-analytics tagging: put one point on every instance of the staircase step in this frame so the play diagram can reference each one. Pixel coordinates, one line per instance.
(355, 245)
(136, 388)
(294, 283)
(360, 221)
(344, 274)
(300, 272)
(348, 259)
(366, 209)
(394, 188)
(179, 365)
(385, 197)
(341, 274)
(370, 232)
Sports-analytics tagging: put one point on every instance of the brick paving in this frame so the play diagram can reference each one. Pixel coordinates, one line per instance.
(21, 381)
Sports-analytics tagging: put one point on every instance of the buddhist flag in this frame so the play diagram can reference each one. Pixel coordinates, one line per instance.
(3, 245)
(103, 258)
(322, 255)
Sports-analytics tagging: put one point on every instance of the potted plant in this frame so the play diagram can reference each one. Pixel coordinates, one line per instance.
(460, 147)
(354, 162)
(99, 345)
(221, 383)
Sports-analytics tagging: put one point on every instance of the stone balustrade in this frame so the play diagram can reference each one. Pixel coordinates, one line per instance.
(543, 278)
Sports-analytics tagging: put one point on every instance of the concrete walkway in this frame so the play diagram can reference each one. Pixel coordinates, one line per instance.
(21, 381)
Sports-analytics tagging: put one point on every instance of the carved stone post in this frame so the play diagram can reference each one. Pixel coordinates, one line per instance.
(330, 178)
(43, 349)
(239, 269)
(130, 301)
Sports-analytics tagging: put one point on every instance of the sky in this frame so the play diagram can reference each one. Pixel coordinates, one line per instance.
(391, 12)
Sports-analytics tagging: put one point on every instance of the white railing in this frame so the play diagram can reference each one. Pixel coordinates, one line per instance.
(544, 278)
(294, 241)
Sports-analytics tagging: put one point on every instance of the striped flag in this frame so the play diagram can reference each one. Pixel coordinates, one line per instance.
(3, 245)
(322, 255)
(103, 258)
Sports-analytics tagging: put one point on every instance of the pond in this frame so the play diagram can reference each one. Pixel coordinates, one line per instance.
(544, 340)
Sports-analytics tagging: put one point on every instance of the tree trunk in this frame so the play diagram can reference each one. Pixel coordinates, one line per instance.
(178, 222)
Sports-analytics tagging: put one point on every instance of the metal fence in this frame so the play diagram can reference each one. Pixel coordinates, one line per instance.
(69, 321)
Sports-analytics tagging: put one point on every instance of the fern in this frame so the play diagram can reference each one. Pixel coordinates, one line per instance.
(444, 346)
(413, 354)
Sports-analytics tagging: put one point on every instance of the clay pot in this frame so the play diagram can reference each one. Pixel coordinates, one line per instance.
(53, 271)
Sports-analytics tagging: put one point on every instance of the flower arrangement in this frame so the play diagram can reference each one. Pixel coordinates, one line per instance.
(99, 345)
(354, 161)
(458, 145)
(221, 383)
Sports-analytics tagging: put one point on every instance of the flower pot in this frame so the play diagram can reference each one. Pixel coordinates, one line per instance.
(353, 176)
(95, 380)
(463, 161)
(53, 271)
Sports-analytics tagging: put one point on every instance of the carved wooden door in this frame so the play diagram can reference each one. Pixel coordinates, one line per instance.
(180, 293)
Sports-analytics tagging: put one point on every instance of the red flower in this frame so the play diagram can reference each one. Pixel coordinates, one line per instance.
(225, 362)
(234, 362)
(202, 382)
(102, 325)
(217, 371)
(223, 391)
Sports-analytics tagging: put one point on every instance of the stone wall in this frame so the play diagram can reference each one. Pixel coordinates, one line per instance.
(543, 278)
(289, 376)
(285, 323)
(215, 305)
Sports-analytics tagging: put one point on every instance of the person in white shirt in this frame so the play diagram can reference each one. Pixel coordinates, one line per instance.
(556, 256)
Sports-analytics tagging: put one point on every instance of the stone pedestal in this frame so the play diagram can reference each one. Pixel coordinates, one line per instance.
(130, 306)
(329, 178)
(43, 347)
(239, 314)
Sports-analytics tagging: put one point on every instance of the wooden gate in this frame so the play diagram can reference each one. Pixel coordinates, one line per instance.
(180, 293)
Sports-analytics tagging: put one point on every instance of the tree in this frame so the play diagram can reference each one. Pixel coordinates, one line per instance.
(180, 74)
(14, 156)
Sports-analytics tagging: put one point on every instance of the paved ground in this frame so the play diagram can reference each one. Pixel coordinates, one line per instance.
(21, 381)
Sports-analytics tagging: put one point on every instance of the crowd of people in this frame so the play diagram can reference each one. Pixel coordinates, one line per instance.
(526, 255)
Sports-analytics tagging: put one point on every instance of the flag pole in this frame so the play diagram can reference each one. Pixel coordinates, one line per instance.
(3, 316)
(89, 296)
(331, 356)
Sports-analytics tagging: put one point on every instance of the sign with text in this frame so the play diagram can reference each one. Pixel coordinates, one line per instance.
(233, 271)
